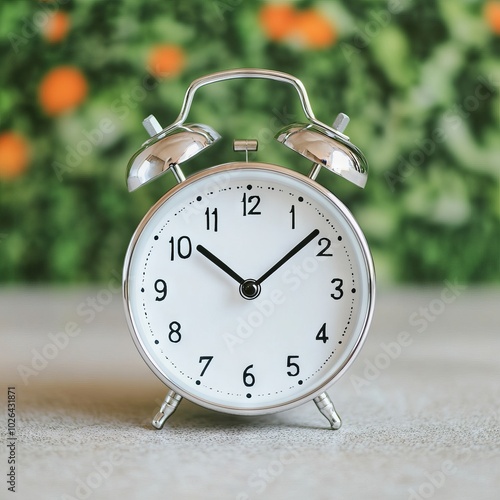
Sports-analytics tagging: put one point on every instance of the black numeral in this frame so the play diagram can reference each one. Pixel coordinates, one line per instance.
(340, 293)
(215, 219)
(321, 335)
(289, 364)
(322, 252)
(161, 288)
(292, 211)
(174, 335)
(184, 247)
(248, 378)
(252, 210)
(208, 359)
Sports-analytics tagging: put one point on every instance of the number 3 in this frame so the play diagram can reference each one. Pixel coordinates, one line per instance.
(338, 288)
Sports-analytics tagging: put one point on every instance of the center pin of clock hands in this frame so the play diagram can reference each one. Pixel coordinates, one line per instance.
(250, 288)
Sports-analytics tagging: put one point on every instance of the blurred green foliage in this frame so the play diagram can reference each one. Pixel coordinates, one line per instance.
(420, 81)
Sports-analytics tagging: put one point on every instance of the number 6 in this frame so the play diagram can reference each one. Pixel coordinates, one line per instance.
(248, 378)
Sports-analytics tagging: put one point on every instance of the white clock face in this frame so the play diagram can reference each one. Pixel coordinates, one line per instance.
(248, 288)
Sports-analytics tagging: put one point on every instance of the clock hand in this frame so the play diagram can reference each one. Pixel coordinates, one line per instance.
(211, 257)
(289, 255)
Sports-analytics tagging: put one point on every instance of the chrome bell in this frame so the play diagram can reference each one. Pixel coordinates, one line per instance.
(166, 150)
(327, 147)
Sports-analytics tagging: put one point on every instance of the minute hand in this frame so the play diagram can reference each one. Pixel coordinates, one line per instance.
(289, 255)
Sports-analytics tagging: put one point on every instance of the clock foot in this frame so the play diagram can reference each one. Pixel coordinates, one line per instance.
(172, 400)
(325, 406)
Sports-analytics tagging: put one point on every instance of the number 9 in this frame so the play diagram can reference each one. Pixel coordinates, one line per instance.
(161, 288)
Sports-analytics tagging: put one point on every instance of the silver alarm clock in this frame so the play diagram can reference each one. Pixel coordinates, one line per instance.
(249, 288)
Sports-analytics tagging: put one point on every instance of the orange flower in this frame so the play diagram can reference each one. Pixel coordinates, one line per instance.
(166, 61)
(277, 20)
(56, 27)
(309, 27)
(62, 89)
(14, 155)
(313, 30)
(492, 15)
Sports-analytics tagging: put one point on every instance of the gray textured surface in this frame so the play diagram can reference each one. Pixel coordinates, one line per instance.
(427, 423)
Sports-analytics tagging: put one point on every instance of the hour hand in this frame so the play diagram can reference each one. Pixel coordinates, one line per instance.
(212, 258)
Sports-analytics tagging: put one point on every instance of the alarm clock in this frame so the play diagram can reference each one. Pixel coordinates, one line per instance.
(248, 287)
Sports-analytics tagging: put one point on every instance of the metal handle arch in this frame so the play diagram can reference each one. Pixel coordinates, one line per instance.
(234, 74)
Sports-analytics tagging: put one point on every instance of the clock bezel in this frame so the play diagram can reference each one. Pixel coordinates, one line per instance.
(332, 378)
